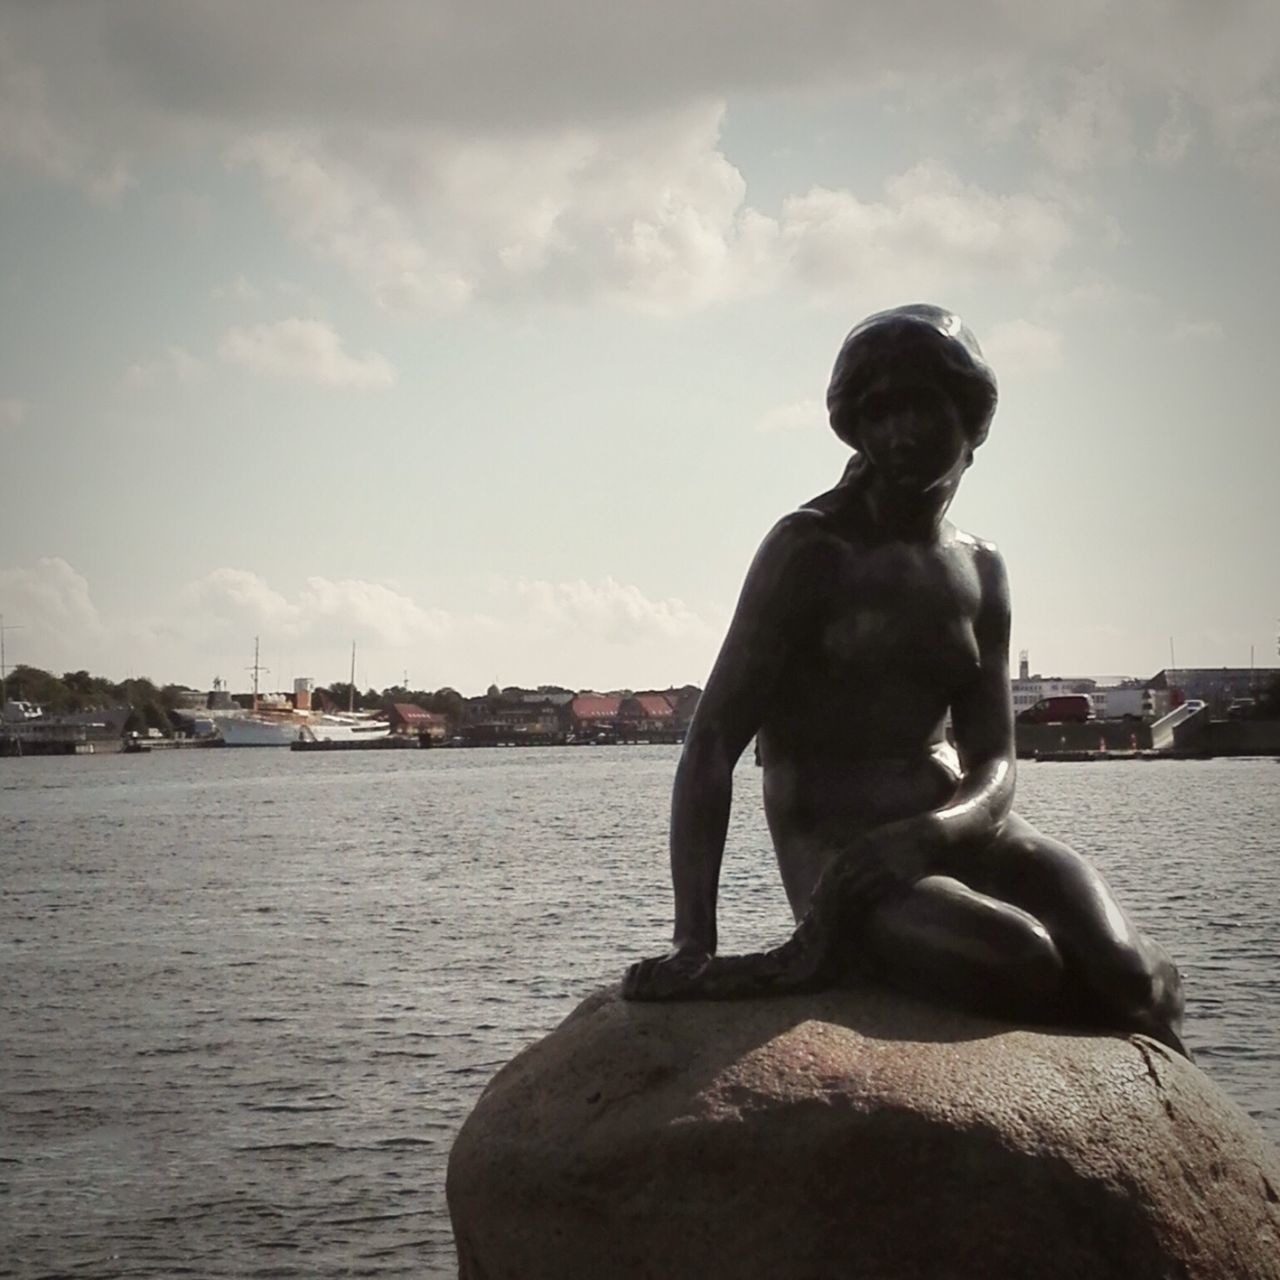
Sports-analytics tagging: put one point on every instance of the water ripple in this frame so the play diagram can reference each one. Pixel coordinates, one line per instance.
(249, 997)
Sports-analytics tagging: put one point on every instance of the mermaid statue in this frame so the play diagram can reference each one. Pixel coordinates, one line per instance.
(867, 621)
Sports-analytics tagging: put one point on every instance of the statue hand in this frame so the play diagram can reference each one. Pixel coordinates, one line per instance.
(870, 869)
(670, 977)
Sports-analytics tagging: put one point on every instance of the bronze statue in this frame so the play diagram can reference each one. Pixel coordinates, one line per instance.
(865, 618)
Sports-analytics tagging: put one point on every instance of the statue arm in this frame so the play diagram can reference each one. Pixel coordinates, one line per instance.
(730, 711)
(982, 718)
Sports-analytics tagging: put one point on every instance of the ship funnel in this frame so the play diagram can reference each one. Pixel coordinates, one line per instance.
(302, 688)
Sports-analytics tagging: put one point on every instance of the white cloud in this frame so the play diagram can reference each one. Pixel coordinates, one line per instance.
(648, 212)
(602, 633)
(607, 611)
(13, 412)
(50, 603)
(177, 364)
(305, 351)
(354, 607)
(1024, 347)
(338, 212)
(239, 599)
(1095, 295)
(1093, 129)
(800, 415)
(931, 230)
(241, 289)
(1197, 331)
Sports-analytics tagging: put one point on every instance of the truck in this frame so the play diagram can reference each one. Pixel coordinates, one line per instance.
(1062, 708)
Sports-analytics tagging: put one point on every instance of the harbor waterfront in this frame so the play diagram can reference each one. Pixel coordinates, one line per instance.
(251, 996)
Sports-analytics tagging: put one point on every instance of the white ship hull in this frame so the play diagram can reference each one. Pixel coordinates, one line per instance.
(282, 731)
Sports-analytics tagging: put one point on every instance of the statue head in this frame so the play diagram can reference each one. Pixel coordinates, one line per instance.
(918, 345)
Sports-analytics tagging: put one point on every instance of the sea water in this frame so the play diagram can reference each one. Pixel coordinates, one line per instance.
(248, 997)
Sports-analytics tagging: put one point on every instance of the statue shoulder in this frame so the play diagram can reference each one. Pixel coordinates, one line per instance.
(988, 562)
(791, 552)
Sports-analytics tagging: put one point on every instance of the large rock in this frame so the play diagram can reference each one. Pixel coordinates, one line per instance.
(854, 1134)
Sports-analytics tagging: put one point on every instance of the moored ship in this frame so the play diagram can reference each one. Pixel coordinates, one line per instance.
(26, 729)
(266, 728)
(277, 721)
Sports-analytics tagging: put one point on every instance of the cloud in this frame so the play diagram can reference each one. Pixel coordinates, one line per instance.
(13, 412)
(339, 212)
(1173, 138)
(305, 351)
(177, 364)
(1023, 346)
(239, 598)
(386, 615)
(602, 633)
(606, 610)
(1091, 130)
(32, 137)
(186, 72)
(1186, 331)
(241, 289)
(649, 213)
(930, 231)
(53, 615)
(800, 415)
(440, 156)
(321, 609)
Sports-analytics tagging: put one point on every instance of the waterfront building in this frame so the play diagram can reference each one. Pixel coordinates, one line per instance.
(1217, 686)
(591, 713)
(1028, 689)
(643, 713)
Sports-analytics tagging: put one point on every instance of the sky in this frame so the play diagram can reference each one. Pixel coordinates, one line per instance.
(494, 337)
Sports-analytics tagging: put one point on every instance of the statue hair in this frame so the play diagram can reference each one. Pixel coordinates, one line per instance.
(925, 344)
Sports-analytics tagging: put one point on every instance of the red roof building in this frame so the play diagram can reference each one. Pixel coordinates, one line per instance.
(594, 711)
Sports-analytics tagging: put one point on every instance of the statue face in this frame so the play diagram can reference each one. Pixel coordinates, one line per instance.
(913, 435)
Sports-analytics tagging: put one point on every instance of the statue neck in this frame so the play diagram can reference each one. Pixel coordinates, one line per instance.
(896, 513)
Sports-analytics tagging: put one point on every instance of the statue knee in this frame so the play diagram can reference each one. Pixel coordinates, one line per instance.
(1037, 960)
(1134, 987)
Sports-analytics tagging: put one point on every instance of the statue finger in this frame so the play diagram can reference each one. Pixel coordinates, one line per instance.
(637, 983)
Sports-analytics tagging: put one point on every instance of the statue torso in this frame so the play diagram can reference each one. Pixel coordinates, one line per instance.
(852, 737)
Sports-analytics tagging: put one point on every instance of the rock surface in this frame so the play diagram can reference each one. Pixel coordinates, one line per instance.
(855, 1134)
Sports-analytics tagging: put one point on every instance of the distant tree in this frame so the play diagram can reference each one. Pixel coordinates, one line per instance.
(446, 702)
(31, 684)
(85, 691)
(337, 697)
(173, 696)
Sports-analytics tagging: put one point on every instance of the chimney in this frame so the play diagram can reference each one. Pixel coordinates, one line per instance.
(1024, 665)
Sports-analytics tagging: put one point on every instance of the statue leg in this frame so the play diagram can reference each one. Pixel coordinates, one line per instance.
(941, 940)
(1114, 976)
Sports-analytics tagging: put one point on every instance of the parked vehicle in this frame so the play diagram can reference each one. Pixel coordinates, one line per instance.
(1062, 708)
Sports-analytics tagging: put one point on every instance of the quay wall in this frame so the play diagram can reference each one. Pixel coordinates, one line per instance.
(1093, 735)
(1198, 736)
(1243, 737)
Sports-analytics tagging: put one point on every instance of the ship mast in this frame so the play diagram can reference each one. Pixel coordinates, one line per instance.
(257, 667)
(351, 688)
